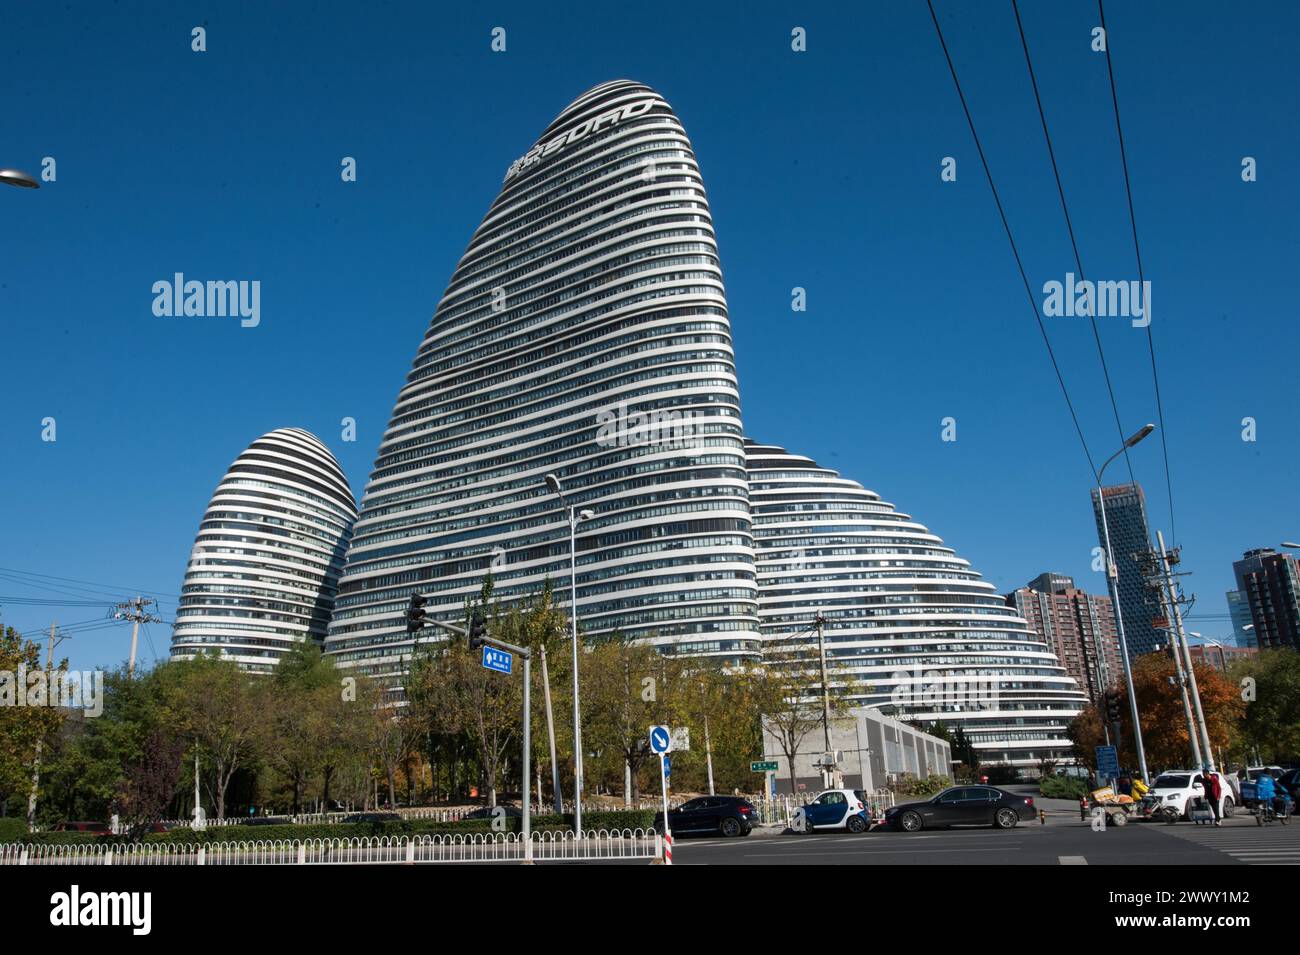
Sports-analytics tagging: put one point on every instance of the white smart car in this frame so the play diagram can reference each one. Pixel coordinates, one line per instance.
(834, 809)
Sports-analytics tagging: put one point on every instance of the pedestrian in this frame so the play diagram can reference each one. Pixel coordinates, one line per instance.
(1214, 796)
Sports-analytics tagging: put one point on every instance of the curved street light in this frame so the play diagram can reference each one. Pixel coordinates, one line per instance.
(553, 484)
(16, 177)
(1112, 584)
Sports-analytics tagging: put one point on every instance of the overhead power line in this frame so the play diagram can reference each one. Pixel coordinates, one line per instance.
(1074, 244)
(49, 581)
(1137, 251)
(1024, 278)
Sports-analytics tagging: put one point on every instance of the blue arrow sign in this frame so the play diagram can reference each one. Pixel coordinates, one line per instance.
(661, 739)
(501, 661)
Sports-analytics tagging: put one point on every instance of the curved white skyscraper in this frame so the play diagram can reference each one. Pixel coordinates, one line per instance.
(584, 334)
(909, 626)
(265, 564)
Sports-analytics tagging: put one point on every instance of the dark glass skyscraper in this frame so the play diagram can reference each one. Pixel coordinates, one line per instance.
(1126, 518)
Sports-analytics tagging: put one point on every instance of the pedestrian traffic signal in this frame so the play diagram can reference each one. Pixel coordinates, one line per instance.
(415, 613)
(477, 629)
(1112, 706)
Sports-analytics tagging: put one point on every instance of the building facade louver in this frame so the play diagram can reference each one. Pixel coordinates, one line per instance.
(584, 334)
(265, 565)
(910, 628)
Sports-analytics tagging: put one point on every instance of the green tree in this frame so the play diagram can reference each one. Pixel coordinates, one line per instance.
(223, 710)
(627, 688)
(303, 691)
(451, 694)
(1269, 686)
(24, 730)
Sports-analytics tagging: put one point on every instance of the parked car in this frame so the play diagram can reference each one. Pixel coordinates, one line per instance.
(1254, 772)
(373, 817)
(1290, 781)
(963, 806)
(489, 812)
(834, 809)
(97, 828)
(1174, 790)
(713, 815)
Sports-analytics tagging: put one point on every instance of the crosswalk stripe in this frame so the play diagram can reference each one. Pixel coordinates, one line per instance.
(1253, 846)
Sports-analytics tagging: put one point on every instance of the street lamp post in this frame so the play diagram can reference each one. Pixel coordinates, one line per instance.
(574, 515)
(1210, 641)
(1112, 582)
(16, 177)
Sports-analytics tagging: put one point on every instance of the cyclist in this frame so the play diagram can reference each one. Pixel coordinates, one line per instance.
(1265, 793)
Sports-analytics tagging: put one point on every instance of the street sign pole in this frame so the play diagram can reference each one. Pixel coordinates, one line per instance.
(527, 822)
(661, 742)
(668, 833)
(527, 767)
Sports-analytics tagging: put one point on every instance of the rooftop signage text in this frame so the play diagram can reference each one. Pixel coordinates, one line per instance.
(594, 125)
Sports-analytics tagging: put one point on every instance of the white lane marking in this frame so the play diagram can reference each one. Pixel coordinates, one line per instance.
(779, 855)
(1072, 860)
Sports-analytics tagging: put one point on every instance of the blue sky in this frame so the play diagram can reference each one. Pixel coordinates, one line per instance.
(823, 172)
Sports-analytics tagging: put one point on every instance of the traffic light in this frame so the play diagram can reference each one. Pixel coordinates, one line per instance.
(415, 613)
(1112, 706)
(477, 629)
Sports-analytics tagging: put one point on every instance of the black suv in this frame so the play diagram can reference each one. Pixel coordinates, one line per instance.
(711, 815)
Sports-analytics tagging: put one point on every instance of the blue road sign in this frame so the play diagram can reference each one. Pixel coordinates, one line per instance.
(500, 660)
(668, 765)
(1107, 762)
(661, 739)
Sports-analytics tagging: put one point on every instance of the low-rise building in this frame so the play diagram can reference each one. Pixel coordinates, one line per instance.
(872, 750)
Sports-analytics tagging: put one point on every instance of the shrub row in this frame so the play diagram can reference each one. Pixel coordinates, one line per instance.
(1063, 787)
(632, 819)
(12, 828)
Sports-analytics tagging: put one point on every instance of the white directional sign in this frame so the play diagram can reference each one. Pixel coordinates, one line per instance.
(661, 739)
(681, 739)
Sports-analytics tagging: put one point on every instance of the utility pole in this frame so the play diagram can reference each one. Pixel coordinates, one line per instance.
(550, 731)
(1156, 570)
(134, 610)
(40, 741)
(708, 752)
(829, 759)
(1155, 583)
(1167, 560)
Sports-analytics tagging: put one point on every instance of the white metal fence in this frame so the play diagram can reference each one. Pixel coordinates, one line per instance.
(595, 845)
(329, 818)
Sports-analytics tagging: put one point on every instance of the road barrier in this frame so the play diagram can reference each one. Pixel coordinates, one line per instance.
(595, 845)
(328, 818)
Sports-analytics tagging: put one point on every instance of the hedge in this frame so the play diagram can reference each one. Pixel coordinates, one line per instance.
(619, 819)
(1063, 787)
(12, 828)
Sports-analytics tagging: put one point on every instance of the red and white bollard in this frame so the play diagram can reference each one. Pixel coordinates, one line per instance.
(668, 848)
